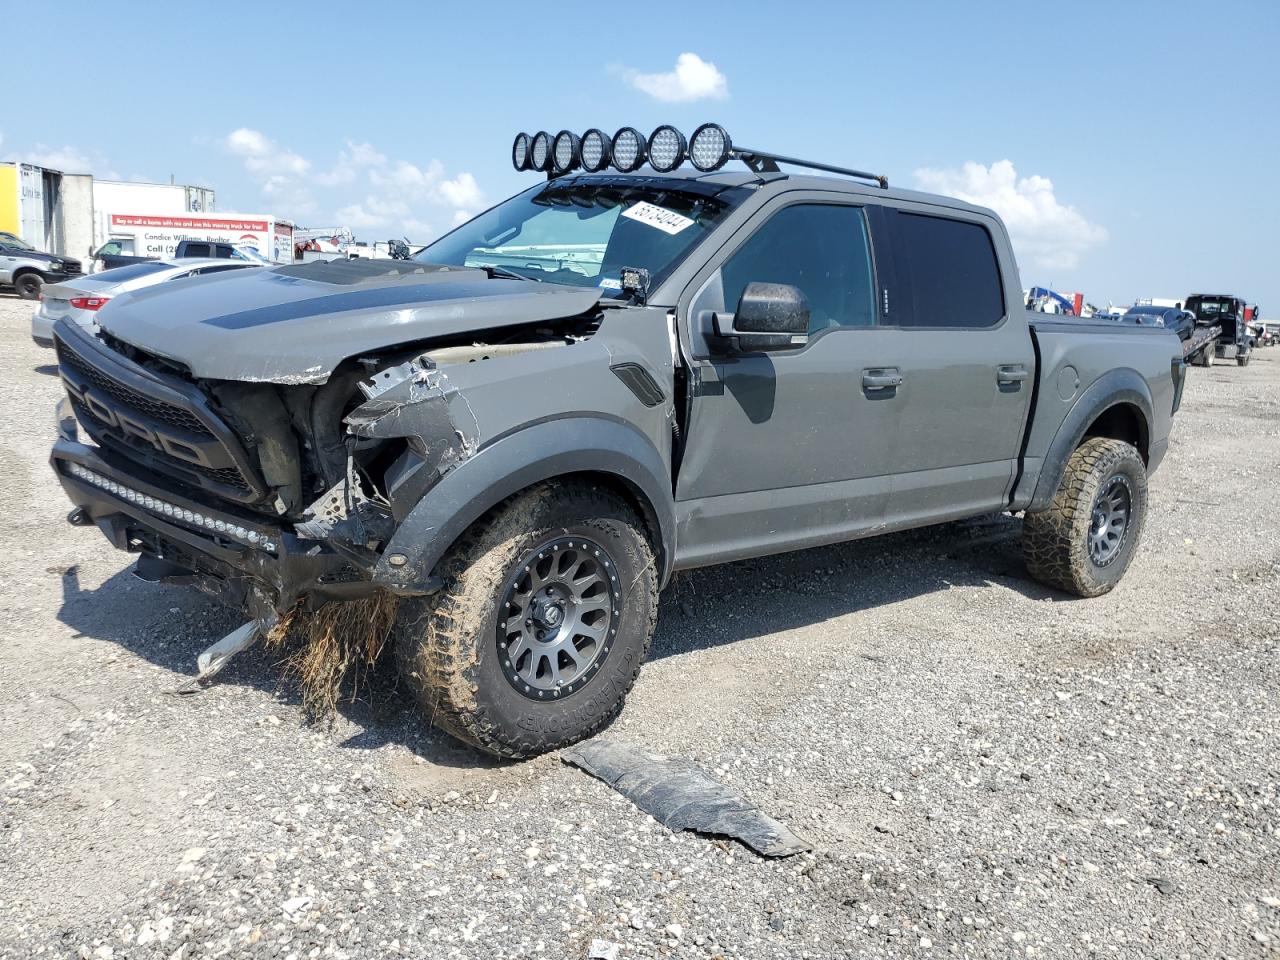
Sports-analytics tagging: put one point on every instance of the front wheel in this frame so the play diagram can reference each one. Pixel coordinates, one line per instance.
(28, 286)
(1084, 541)
(546, 616)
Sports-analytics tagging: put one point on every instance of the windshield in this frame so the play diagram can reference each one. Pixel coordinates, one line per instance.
(251, 254)
(9, 240)
(582, 232)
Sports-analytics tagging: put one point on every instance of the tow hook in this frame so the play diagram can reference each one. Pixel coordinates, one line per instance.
(79, 517)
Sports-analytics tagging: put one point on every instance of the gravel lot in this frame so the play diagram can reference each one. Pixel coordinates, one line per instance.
(983, 767)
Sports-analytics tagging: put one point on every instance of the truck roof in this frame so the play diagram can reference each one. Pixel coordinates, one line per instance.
(791, 181)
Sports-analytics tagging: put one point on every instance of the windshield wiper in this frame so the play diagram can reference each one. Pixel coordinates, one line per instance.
(496, 271)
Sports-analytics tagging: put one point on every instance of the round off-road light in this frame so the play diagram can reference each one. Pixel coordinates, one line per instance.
(709, 147)
(666, 148)
(520, 152)
(628, 149)
(565, 154)
(540, 151)
(594, 150)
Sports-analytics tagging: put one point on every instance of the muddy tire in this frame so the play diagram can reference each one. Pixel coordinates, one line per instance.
(1084, 541)
(28, 286)
(546, 615)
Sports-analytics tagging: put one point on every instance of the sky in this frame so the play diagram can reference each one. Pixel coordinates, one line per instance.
(1131, 147)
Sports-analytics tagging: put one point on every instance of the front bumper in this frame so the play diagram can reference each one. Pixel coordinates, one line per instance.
(197, 544)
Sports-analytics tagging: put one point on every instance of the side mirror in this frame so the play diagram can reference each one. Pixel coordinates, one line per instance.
(769, 316)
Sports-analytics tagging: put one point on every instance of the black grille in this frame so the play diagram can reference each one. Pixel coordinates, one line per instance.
(162, 424)
(190, 472)
(154, 409)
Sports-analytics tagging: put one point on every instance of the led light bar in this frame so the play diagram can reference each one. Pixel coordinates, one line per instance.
(709, 149)
(171, 511)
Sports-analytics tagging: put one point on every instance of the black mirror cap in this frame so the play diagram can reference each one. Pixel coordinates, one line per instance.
(772, 308)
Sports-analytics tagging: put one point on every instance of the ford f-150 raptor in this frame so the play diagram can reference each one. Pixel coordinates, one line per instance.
(613, 375)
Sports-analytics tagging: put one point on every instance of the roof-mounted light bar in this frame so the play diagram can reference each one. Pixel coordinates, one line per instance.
(709, 149)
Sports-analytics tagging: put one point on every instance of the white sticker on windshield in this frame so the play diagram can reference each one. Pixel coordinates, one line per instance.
(668, 221)
(610, 283)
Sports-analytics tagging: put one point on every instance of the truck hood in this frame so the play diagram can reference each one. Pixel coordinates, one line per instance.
(295, 324)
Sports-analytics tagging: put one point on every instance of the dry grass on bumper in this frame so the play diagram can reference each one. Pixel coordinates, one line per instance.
(330, 650)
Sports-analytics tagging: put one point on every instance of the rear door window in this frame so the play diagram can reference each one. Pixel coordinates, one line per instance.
(947, 273)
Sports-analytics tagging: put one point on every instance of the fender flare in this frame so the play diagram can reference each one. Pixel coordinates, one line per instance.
(1116, 387)
(516, 461)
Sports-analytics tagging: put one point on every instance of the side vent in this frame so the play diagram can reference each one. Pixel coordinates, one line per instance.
(639, 382)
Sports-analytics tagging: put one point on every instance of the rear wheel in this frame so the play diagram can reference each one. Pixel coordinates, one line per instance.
(28, 286)
(1084, 541)
(546, 616)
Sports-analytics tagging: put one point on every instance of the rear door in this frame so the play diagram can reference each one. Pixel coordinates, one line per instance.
(966, 359)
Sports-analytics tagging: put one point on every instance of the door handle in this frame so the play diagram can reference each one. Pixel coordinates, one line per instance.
(887, 378)
(1011, 373)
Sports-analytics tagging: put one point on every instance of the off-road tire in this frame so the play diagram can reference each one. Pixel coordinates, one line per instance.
(447, 645)
(28, 286)
(1055, 541)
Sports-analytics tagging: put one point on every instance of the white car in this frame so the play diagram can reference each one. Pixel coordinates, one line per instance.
(81, 298)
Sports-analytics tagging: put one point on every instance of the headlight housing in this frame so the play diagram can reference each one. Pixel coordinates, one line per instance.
(520, 152)
(595, 150)
(629, 150)
(710, 147)
(540, 151)
(667, 148)
(565, 155)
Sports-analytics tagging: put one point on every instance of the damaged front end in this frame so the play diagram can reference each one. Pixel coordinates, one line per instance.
(265, 495)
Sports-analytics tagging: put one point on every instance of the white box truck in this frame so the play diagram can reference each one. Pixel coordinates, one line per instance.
(148, 235)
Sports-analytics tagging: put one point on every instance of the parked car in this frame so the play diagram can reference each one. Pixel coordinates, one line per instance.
(27, 270)
(1229, 313)
(1180, 321)
(113, 253)
(519, 447)
(79, 300)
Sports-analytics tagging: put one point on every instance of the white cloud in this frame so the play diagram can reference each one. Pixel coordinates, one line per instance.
(353, 159)
(362, 188)
(264, 158)
(69, 159)
(692, 79)
(1046, 234)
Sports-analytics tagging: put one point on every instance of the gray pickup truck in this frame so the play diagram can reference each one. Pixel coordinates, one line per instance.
(27, 270)
(611, 376)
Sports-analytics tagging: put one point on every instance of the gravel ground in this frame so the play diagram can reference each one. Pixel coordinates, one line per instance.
(984, 768)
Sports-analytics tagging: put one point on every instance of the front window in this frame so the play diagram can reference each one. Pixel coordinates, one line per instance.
(581, 232)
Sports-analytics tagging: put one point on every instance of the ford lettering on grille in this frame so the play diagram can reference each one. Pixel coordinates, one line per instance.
(131, 425)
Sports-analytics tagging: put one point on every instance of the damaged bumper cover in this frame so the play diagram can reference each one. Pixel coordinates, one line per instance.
(249, 564)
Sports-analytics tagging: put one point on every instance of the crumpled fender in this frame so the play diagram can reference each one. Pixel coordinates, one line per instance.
(516, 461)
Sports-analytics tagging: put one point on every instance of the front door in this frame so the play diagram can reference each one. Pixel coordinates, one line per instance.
(791, 447)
